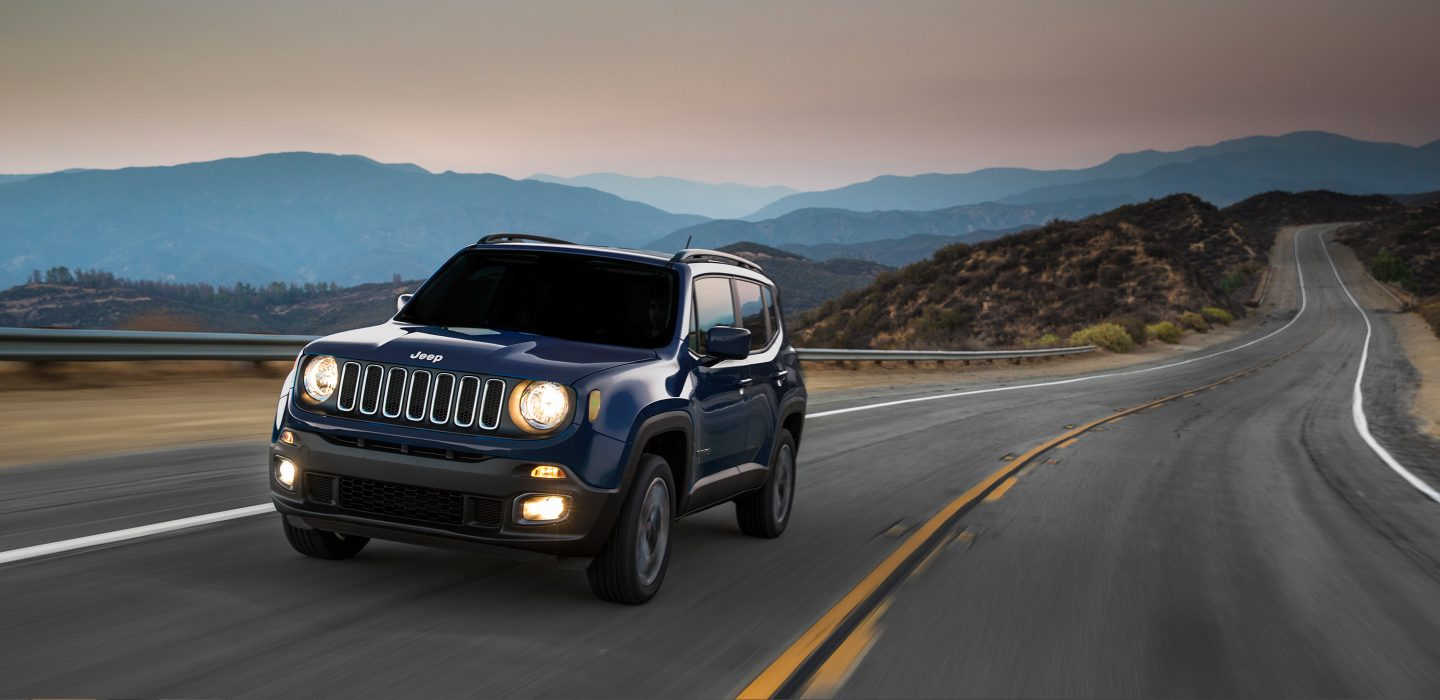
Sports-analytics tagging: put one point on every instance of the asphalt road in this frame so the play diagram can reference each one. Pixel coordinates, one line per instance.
(1243, 540)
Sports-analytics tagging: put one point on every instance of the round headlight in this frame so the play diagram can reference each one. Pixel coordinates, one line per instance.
(544, 405)
(321, 375)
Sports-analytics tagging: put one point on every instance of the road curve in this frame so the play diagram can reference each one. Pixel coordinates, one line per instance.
(1243, 540)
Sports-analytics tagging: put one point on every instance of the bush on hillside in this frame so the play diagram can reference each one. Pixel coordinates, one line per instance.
(1194, 322)
(1389, 267)
(1165, 332)
(1134, 327)
(1111, 336)
(1215, 314)
(1049, 340)
(1431, 313)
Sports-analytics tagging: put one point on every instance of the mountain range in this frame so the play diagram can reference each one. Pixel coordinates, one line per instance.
(817, 226)
(302, 217)
(1223, 173)
(725, 200)
(292, 216)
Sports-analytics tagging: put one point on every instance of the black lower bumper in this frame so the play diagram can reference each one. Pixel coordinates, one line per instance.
(436, 501)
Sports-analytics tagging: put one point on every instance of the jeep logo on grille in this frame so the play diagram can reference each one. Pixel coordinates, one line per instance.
(433, 357)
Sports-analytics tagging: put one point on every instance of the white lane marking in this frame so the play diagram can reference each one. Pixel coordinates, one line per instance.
(183, 523)
(49, 548)
(1357, 397)
(1090, 377)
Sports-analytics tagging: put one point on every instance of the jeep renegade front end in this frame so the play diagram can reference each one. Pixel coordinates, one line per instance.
(564, 399)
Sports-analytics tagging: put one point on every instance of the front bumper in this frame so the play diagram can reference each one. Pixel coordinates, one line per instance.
(436, 501)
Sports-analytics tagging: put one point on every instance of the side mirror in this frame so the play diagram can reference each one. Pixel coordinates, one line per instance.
(726, 343)
(401, 301)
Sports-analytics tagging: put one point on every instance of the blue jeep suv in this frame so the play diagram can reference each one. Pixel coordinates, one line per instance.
(535, 394)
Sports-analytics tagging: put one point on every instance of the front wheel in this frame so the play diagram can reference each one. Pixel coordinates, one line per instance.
(766, 512)
(632, 565)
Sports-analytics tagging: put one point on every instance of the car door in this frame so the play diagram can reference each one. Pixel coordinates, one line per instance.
(722, 440)
(759, 394)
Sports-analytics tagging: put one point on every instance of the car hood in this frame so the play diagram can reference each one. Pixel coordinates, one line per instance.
(476, 350)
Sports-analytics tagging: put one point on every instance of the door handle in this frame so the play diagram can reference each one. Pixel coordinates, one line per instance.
(745, 381)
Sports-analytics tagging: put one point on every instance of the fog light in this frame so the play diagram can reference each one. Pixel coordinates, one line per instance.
(546, 471)
(542, 509)
(286, 473)
(287, 436)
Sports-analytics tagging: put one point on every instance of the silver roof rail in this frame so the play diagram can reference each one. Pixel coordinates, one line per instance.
(520, 238)
(693, 255)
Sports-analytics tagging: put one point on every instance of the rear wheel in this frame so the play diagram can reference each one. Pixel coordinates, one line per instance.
(632, 565)
(322, 544)
(766, 512)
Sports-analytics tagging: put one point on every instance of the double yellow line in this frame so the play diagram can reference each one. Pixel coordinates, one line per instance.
(793, 670)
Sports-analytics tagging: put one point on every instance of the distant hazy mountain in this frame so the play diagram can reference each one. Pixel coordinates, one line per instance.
(1224, 172)
(13, 178)
(291, 216)
(894, 252)
(817, 226)
(716, 200)
(1294, 163)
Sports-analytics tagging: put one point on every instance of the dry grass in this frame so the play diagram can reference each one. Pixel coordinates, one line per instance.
(72, 410)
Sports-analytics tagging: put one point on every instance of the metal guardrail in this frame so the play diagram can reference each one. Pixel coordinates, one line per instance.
(52, 345)
(57, 345)
(933, 355)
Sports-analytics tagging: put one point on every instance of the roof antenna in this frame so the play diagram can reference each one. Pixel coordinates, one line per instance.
(687, 240)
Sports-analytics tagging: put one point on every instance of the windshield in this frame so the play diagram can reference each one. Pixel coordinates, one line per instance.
(575, 297)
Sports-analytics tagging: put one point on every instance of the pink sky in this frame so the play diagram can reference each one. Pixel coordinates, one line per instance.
(809, 94)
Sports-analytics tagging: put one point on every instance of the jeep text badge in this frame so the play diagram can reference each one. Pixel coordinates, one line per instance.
(433, 357)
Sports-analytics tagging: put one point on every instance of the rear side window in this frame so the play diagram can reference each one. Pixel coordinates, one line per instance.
(774, 310)
(713, 307)
(752, 313)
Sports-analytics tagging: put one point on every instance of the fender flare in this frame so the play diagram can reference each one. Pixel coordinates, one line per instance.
(650, 427)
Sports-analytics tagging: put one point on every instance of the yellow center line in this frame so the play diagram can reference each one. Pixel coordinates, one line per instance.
(1000, 490)
(783, 667)
(838, 668)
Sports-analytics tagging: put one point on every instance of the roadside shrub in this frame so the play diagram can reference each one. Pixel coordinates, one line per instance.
(1194, 322)
(1134, 327)
(1387, 267)
(1111, 336)
(1431, 313)
(1165, 332)
(1215, 314)
(1049, 340)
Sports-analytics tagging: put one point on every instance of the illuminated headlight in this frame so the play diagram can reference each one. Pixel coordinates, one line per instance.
(543, 509)
(544, 405)
(286, 473)
(322, 373)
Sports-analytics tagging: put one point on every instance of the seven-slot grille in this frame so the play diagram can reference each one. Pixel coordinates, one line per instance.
(429, 398)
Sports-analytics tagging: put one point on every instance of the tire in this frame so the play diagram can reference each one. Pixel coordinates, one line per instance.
(631, 566)
(321, 544)
(766, 512)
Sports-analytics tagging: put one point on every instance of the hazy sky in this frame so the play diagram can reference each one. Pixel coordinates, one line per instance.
(808, 94)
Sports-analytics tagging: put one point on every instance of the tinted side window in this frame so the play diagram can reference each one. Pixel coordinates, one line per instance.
(713, 307)
(774, 310)
(752, 313)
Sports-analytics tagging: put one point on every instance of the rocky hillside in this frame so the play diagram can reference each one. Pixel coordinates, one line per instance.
(1403, 248)
(804, 283)
(1143, 262)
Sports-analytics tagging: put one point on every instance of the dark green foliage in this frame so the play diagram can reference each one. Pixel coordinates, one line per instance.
(1134, 327)
(1403, 248)
(1389, 267)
